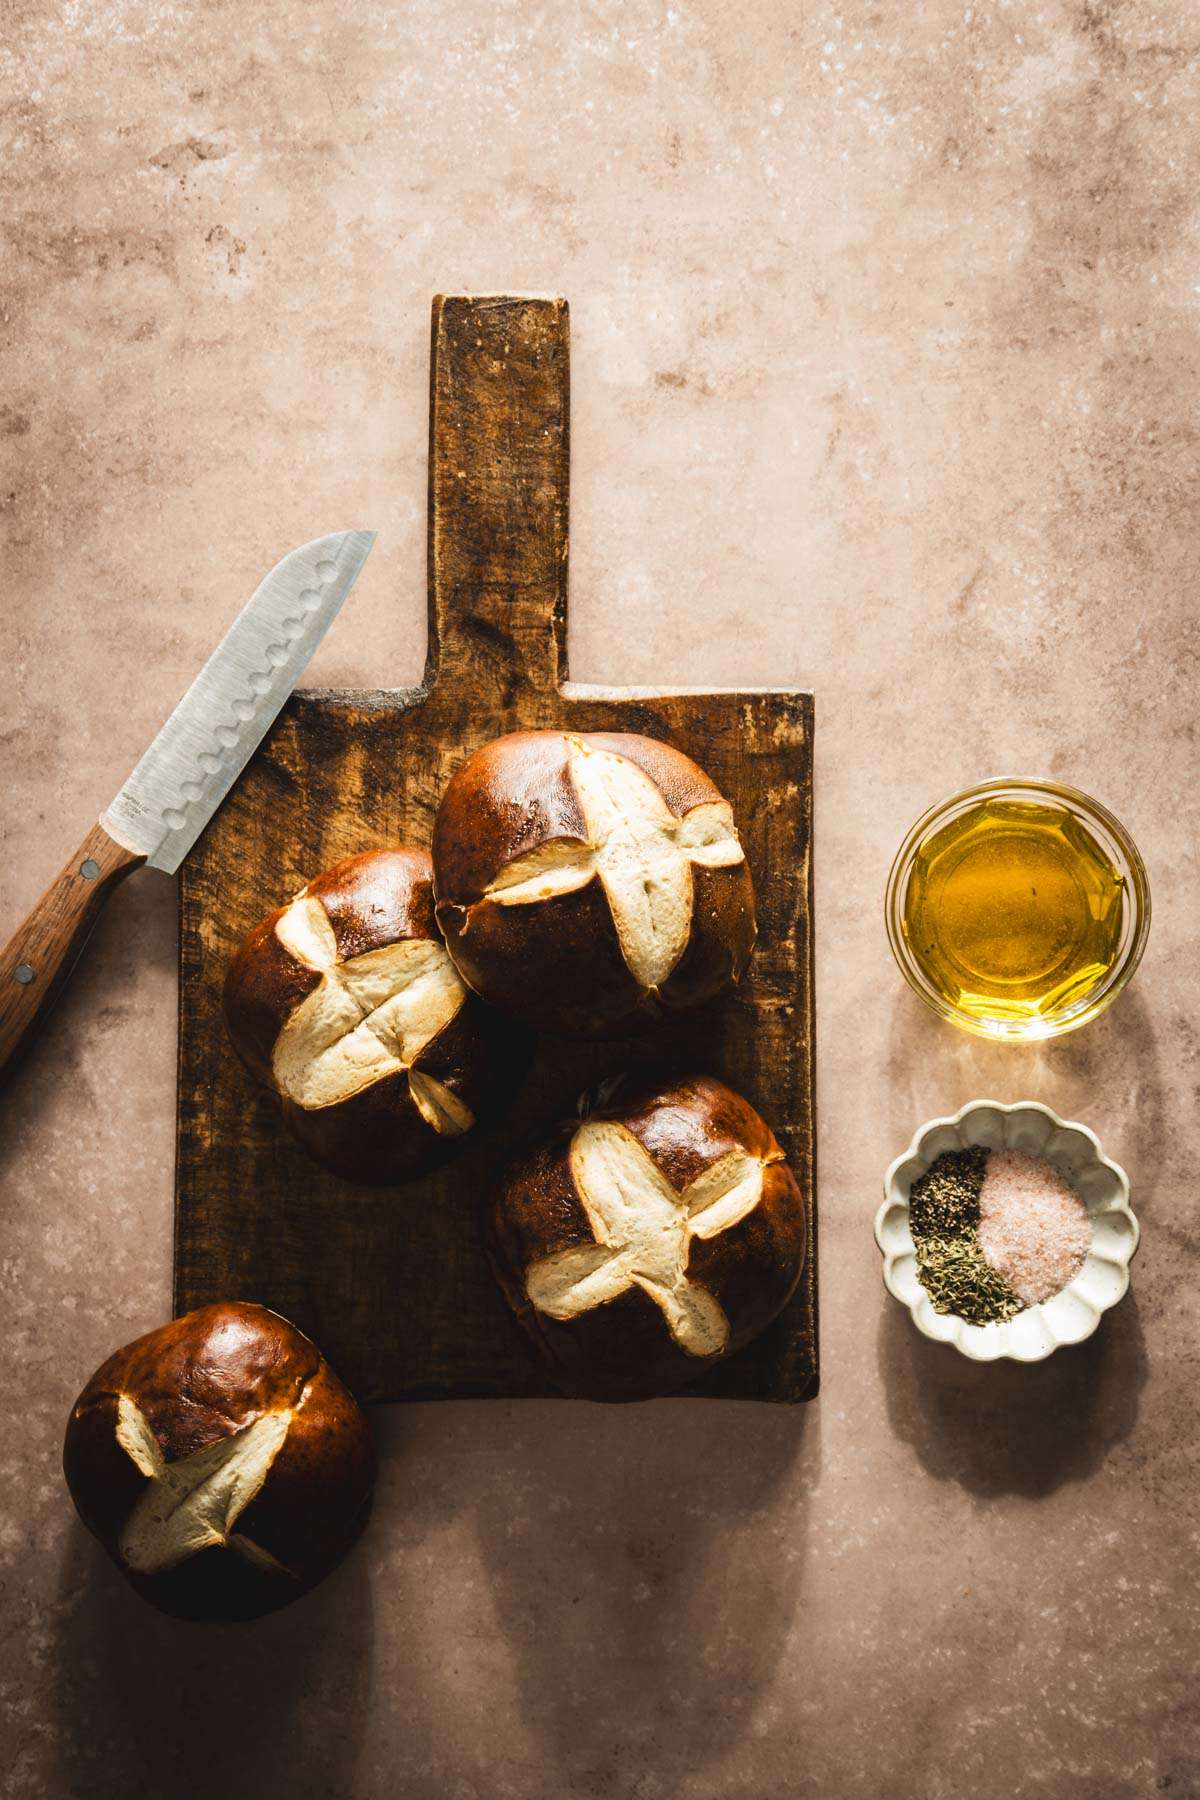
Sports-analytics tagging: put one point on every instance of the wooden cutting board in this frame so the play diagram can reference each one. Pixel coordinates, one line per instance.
(394, 1285)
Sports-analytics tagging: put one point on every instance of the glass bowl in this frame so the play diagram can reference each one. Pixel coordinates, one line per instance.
(1117, 845)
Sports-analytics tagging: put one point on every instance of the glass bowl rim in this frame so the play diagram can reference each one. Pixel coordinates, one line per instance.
(1089, 809)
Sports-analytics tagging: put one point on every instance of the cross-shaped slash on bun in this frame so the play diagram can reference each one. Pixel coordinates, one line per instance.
(643, 1228)
(220, 1462)
(607, 863)
(194, 1504)
(643, 1243)
(640, 852)
(346, 1006)
(368, 1017)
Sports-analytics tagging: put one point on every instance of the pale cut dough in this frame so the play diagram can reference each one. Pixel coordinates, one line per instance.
(643, 1230)
(194, 1504)
(642, 854)
(367, 1018)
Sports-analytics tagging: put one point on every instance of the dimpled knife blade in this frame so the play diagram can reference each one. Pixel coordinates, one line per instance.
(223, 717)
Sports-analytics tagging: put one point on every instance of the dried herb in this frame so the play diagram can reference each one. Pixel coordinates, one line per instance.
(943, 1212)
(959, 1280)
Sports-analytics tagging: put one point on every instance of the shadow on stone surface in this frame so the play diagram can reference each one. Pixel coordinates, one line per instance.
(153, 1706)
(1007, 1428)
(1013, 1428)
(1105, 1075)
(647, 1591)
(60, 1078)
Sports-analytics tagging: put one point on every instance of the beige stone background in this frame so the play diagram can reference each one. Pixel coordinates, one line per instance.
(886, 331)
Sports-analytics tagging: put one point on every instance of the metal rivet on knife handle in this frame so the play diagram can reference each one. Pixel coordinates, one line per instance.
(39, 955)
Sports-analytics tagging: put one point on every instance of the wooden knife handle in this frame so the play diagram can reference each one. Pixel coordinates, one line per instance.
(41, 953)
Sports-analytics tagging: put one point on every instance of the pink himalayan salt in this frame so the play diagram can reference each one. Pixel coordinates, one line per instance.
(1033, 1227)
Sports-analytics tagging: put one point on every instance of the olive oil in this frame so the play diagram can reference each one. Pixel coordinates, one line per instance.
(1014, 912)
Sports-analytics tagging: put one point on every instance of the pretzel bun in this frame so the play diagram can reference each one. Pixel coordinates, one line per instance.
(588, 883)
(646, 1241)
(345, 1005)
(221, 1463)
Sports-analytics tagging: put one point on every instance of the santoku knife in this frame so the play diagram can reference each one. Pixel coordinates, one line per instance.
(186, 772)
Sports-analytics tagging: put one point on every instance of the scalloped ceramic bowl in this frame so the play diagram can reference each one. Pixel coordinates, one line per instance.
(1068, 1317)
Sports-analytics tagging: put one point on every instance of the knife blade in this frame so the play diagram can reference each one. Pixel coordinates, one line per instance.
(186, 772)
(221, 720)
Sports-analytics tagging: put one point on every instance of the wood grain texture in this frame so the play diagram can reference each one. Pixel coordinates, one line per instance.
(41, 953)
(395, 1286)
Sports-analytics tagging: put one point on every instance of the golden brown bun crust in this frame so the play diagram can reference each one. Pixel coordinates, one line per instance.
(379, 1136)
(202, 1378)
(516, 793)
(623, 1350)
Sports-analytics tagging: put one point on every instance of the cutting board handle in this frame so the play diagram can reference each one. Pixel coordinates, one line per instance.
(499, 464)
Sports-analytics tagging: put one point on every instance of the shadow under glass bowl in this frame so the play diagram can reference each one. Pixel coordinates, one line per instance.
(1113, 840)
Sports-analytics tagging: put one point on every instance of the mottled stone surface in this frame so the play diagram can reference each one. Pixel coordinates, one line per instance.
(886, 334)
